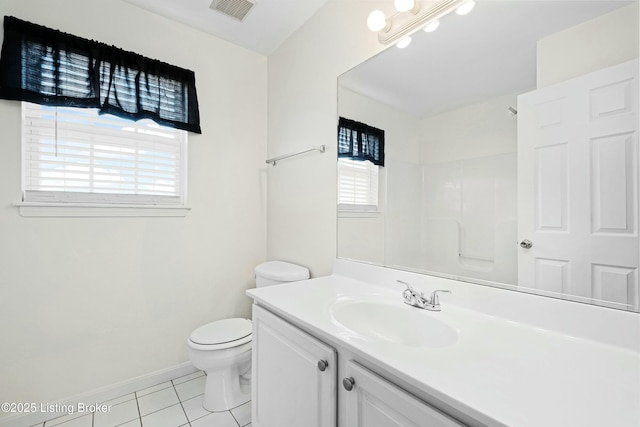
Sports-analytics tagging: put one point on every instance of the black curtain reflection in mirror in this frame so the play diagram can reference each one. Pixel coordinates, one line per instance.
(360, 141)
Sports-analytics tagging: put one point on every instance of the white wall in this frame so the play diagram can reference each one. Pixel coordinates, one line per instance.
(607, 40)
(90, 302)
(302, 87)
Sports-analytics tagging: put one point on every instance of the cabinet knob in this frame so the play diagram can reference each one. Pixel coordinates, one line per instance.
(322, 365)
(348, 383)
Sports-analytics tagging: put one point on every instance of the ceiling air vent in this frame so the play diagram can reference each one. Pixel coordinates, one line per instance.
(236, 9)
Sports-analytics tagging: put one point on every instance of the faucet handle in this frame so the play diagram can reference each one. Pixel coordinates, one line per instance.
(409, 295)
(434, 296)
(409, 288)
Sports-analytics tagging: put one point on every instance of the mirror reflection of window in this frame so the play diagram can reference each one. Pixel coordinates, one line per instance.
(357, 185)
(360, 154)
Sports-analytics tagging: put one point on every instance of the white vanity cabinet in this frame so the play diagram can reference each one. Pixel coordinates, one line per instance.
(372, 401)
(295, 383)
(294, 376)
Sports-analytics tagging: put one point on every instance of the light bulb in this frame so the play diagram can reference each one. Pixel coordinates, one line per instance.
(376, 20)
(404, 5)
(465, 8)
(432, 26)
(404, 42)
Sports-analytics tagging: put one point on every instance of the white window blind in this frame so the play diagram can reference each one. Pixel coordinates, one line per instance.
(357, 185)
(75, 155)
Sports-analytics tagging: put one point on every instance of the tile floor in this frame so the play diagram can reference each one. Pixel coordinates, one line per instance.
(174, 403)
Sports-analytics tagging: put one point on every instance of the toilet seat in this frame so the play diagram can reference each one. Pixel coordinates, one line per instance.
(221, 334)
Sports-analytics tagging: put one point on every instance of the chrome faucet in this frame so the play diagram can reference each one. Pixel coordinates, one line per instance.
(415, 299)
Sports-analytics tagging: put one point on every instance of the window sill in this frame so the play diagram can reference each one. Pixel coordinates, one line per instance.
(358, 214)
(38, 209)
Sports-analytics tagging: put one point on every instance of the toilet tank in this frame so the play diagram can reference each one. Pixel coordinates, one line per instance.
(274, 272)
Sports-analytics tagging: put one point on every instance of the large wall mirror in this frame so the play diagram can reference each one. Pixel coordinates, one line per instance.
(511, 151)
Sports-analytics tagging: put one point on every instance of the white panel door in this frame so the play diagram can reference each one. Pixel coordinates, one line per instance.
(375, 402)
(294, 376)
(578, 187)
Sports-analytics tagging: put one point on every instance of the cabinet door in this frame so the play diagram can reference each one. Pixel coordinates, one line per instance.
(375, 402)
(289, 387)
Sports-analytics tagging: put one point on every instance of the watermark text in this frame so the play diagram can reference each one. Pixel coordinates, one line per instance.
(53, 408)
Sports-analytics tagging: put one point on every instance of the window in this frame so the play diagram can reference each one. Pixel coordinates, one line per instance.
(75, 155)
(49, 67)
(360, 154)
(357, 185)
(80, 146)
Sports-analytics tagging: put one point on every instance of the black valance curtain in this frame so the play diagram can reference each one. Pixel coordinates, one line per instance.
(359, 141)
(50, 67)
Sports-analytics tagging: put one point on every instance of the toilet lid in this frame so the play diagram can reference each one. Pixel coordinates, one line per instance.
(222, 331)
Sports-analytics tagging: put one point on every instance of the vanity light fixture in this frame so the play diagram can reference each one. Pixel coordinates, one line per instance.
(404, 42)
(432, 26)
(405, 5)
(378, 22)
(411, 17)
(465, 8)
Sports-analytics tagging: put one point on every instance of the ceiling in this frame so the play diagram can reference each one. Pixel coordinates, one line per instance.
(265, 27)
(468, 59)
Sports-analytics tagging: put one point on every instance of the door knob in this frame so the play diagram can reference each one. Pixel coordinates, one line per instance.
(348, 383)
(526, 244)
(322, 365)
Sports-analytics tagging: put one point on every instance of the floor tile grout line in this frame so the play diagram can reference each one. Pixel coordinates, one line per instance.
(153, 392)
(181, 405)
(234, 417)
(138, 406)
(77, 415)
(156, 411)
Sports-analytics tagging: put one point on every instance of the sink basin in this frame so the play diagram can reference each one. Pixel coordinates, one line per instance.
(395, 323)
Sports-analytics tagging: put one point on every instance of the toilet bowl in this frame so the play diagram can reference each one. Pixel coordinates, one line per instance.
(222, 349)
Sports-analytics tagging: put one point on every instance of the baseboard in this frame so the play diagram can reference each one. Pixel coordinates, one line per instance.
(102, 394)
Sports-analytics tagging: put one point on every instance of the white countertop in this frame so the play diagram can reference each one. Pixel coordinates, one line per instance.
(501, 372)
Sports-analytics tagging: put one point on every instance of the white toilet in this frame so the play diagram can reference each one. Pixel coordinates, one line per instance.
(223, 348)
